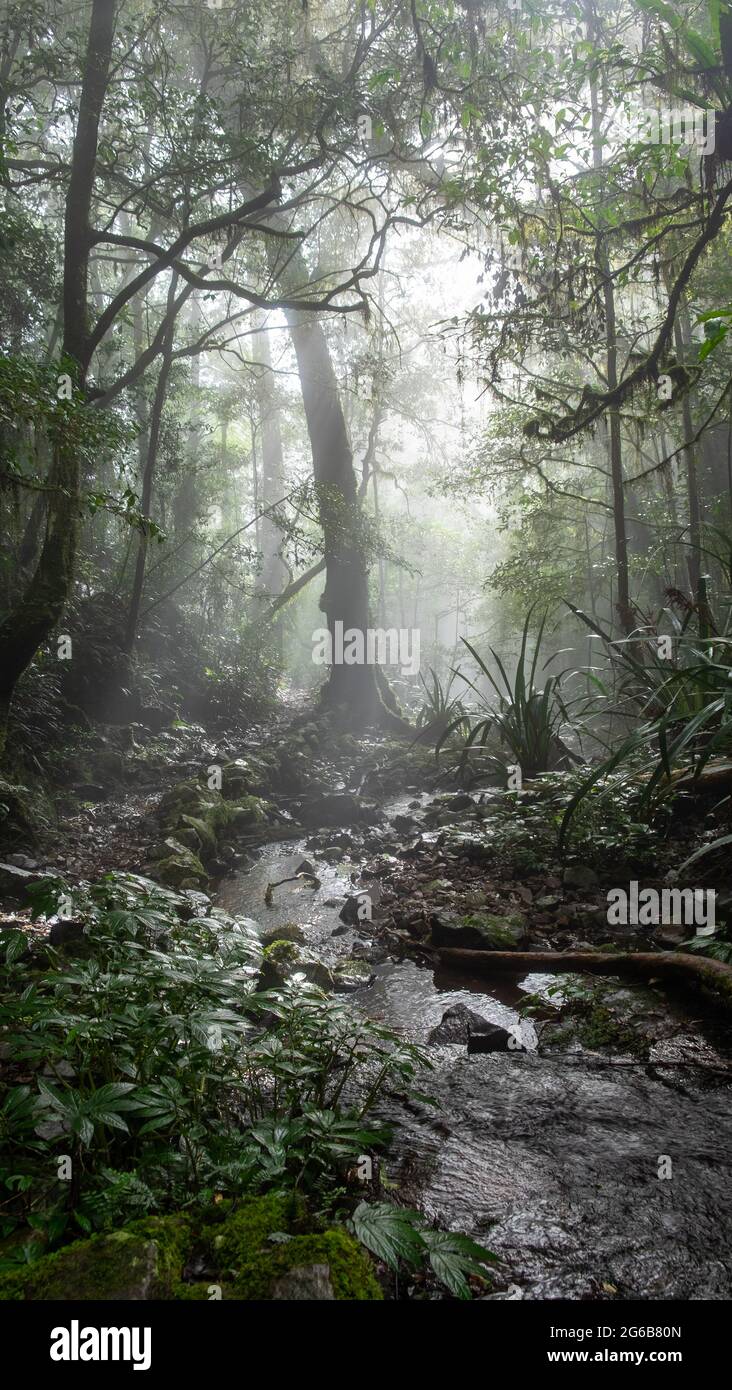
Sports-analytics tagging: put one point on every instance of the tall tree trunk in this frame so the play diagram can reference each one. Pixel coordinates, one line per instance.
(26, 627)
(682, 339)
(148, 475)
(622, 603)
(273, 576)
(345, 598)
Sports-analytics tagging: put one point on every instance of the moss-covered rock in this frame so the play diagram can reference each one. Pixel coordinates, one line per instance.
(262, 1250)
(283, 959)
(181, 867)
(479, 929)
(143, 1261)
(261, 1254)
(286, 931)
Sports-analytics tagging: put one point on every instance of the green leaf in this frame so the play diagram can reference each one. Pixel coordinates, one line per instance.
(453, 1257)
(388, 1232)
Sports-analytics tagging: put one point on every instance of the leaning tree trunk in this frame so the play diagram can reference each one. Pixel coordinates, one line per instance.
(27, 626)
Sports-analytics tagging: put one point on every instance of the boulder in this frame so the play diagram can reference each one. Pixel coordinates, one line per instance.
(283, 959)
(457, 1025)
(478, 929)
(338, 808)
(143, 1261)
(581, 877)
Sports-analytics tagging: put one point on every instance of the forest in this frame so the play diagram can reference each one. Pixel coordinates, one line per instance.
(366, 653)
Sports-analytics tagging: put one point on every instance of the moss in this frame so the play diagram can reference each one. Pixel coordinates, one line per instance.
(181, 868)
(282, 952)
(250, 1264)
(247, 812)
(203, 830)
(143, 1261)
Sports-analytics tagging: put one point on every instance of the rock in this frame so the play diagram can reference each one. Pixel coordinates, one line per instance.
(351, 975)
(236, 779)
(342, 930)
(22, 861)
(66, 934)
(670, 936)
(403, 824)
(304, 1282)
(248, 813)
(476, 851)
(494, 1040)
(143, 1261)
(352, 910)
(14, 880)
(478, 929)
(288, 931)
(457, 1024)
(334, 855)
(580, 876)
(338, 808)
(283, 959)
(305, 867)
(156, 717)
(181, 868)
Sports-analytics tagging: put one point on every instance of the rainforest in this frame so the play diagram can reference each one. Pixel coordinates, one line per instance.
(366, 659)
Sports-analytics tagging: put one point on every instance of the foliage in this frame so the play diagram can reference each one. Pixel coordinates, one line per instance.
(398, 1236)
(526, 720)
(147, 1055)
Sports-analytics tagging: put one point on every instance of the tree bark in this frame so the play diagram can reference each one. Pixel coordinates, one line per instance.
(148, 476)
(273, 574)
(27, 626)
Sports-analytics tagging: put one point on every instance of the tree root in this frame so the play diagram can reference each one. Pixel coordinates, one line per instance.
(672, 966)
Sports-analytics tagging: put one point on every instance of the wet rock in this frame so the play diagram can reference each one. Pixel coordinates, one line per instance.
(403, 824)
(342, 930)
(305, 867)
(496, 1039)
(351, 975)
(287, 931)
(338, 808)
(22, 861)
(457, 1024)
(353, 909)
(334, 855)
(478, 929)
(283, 959)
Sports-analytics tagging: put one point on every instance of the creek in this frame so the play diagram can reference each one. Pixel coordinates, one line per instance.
(552, 1161)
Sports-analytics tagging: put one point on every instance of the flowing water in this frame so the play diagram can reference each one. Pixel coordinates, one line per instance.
(553, 1162)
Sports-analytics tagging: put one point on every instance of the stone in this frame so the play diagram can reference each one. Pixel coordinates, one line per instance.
(580, 876)
(457, 1025)
(304, 1282)
(494, 1040)
(484, 930)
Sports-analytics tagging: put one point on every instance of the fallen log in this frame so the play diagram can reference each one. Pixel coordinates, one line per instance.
(672, 966)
